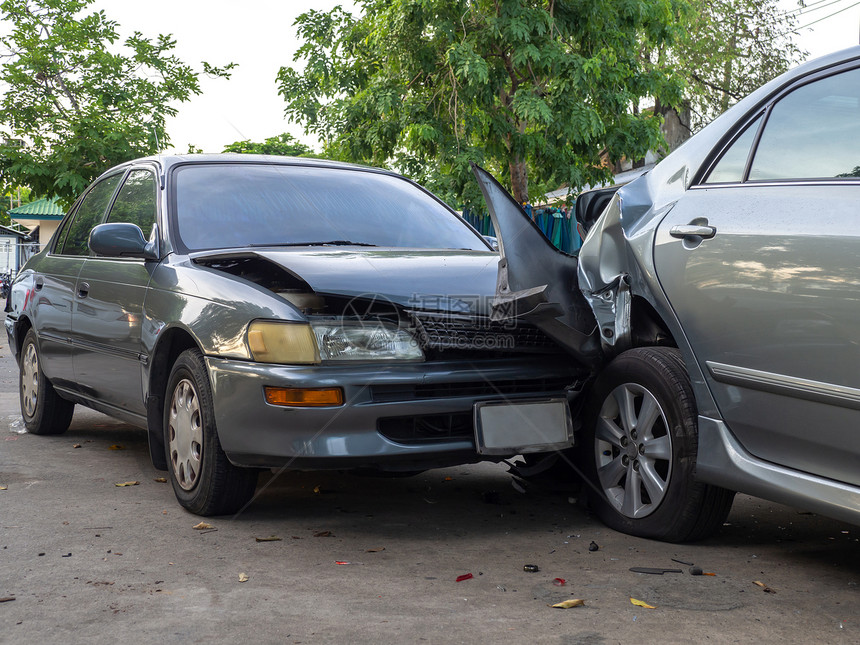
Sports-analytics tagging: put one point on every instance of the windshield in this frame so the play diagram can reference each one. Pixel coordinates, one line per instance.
(238, 205)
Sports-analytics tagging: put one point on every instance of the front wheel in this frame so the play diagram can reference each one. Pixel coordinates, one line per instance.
(204, 480)
(639, 449)
(44, 411)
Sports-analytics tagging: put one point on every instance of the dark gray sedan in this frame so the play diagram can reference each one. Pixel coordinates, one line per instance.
(265, 312)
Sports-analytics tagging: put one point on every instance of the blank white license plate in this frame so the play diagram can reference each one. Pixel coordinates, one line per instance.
(517, 427)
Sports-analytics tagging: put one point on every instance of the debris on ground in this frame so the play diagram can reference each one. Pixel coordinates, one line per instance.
(342, 562)
(134, 483)
(593, 546)
(77, 445)
(323, 534)
(659, 571)
(7, 599)
(4, 488)
(764, 587)
(531, 568)
(689, 564)
(375, 550)
(243, 577)
(518, 486)
(116, 446)
(465, 576)
(271, 538)
(160, 480)
(567, 604)
(202, 526)
(493, 497)
(641, 603)
(559, 582)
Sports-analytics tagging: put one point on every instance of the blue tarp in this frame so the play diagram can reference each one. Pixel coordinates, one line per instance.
(557, 228)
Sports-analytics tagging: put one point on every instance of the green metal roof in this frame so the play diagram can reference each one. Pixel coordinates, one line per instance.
(40, 209)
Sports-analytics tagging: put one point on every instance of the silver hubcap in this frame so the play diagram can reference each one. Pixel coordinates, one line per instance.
(185, 429)
(30, 380)
(633, 449)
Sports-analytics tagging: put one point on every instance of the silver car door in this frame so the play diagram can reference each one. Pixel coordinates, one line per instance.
(760, 264)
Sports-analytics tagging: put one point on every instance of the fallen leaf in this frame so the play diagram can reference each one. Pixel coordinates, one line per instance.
(8, 599)
(640, 603)
(77, 445)
(116, 446)
(160, 480)
(243, 577)
(4, 488)
(763, 586)
(271, 538)
(323, 534)
(317, 489)
(134, 483)
(202, 526)
(567, 604)
(376, 550)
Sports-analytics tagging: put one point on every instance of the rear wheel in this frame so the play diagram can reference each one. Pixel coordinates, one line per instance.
(640, 448)
(204, 480)
(44, 411)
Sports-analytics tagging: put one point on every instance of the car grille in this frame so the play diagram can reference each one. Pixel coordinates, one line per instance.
(427, 428)
(391, 393)
(453, 331)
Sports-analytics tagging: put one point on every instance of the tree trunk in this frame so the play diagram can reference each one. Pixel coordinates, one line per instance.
(519, 179)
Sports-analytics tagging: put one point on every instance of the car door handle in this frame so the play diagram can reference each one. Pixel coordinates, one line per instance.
(83, 289)
(693, 230)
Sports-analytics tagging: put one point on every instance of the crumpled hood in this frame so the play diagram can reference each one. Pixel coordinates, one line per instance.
(446, 280)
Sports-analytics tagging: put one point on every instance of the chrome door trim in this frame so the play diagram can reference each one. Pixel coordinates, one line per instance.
(799, 388)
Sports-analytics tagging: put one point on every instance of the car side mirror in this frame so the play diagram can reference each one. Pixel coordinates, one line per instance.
(121, 239)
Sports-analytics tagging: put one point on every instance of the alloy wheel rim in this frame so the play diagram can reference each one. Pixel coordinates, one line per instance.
(30, 380)
(185, 432)
(633, 451)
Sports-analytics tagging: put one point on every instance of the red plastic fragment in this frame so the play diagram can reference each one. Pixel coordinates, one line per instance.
(465, 576)
(559, 582)
(342, 562)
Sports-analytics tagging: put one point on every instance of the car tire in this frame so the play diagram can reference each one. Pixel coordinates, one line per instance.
(45, 412)
(204, 480)
(639, 448)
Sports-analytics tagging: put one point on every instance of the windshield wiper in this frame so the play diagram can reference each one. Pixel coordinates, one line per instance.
(328, 243)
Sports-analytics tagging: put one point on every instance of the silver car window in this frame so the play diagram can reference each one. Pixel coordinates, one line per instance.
(813, 133)
(731, 168)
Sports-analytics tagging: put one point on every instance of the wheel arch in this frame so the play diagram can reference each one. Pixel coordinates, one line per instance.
(170, 345)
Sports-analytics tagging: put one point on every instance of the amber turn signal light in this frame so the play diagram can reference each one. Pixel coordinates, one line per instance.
(297, 397)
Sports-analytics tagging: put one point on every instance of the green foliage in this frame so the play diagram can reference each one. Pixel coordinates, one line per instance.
(729, 48)
(283, 145)
(546, 89)
(77, 100)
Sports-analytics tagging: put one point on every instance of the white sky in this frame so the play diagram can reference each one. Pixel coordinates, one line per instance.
(260, 37)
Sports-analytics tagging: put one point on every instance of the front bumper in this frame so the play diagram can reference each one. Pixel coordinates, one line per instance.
(376, 427)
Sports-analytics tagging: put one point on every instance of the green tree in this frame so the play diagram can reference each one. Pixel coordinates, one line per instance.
(284, 145)
(541, 89)
(727, 49)
(77, 100)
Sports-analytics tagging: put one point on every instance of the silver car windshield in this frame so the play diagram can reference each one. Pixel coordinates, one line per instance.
(241, 205)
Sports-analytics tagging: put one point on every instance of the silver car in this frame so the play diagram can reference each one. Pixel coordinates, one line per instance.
(256, 312)
(717, 300)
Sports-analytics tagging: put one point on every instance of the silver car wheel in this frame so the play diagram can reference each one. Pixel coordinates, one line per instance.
(185, 432)
(633, 450)
(30, 380)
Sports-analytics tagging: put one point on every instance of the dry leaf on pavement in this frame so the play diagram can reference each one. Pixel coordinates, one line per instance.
(202, 526)
(567, 604)
(243, 577)
(640, 603)
(134, 483)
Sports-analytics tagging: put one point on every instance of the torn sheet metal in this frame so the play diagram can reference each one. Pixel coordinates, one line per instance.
(536, 282)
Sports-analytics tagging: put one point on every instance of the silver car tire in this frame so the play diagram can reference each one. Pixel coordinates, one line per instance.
(639, 449)
(204, 481)
(45, 412)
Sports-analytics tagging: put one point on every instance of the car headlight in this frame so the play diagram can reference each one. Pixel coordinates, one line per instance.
(278, 342)
(364, 340)
(330, 340)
